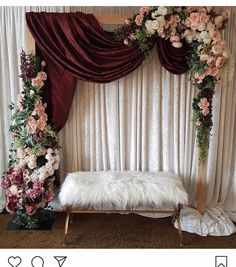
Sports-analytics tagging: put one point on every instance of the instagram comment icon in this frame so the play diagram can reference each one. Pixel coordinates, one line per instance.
(37, 262)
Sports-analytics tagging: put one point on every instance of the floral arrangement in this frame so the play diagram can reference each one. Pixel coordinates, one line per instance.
(34, 158)
(201, 28)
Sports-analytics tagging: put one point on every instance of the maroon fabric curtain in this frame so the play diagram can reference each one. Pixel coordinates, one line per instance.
(75, 46)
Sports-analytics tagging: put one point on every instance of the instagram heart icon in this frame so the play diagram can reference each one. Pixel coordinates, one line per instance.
(14, 261)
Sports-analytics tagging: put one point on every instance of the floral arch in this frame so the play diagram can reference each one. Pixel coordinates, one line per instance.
(74, 46)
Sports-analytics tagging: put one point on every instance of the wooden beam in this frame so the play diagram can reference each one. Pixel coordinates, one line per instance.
(30, 43)
(201, 184)
(111, 19)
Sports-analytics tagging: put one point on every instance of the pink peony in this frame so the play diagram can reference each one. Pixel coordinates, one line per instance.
(207, 71)
(225, 14)
(139, 20)
(220, 62)
(30, 209)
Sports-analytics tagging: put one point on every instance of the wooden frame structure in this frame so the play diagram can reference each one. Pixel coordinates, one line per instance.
(113, 20)
(174, 213)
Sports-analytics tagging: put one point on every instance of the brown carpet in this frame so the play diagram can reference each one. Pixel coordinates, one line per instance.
(108, 231)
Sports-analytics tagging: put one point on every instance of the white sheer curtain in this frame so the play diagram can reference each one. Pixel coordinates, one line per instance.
(143, 122)
(12, 40)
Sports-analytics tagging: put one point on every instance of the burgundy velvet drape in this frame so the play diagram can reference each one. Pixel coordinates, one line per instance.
(75, 46)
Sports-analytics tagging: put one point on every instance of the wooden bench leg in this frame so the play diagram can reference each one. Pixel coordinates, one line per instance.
(179, 226)
(66, 228)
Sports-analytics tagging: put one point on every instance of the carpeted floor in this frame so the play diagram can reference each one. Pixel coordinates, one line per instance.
(108, 231)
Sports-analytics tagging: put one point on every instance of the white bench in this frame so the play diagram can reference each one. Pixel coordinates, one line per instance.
(123, 192)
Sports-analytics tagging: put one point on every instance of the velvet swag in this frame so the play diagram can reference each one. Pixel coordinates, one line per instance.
(75, 46)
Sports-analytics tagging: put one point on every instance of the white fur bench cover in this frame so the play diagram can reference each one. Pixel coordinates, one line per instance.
(122, 190)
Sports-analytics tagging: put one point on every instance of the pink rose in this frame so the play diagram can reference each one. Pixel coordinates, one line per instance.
(174, 38)
(207, 71)
(218, 22)
(216, 36)
(36, 82)
(220, 62)
(217, 48)
(211, 61)
(205, 111)
(39, 108)
(41, 124)
(31, 125)
(194, 17)
(44, 117)
(19, 102)
(203, 18)
(144, 10)
(49, 194)
(30, 209)
(225, 14)
(42, 75)
(139, 20)
(214, 71)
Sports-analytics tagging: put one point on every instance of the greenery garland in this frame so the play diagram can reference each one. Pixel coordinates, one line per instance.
(201, 28)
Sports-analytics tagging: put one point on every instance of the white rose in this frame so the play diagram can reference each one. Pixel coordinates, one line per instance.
(149, 27)
(177, 44)
(20, 153)
(42, 173)
(210, 26)
(28, 151)
(32, 164)
(34, 176)
(49, 158)
(22, 162)
(162, 10)
(49, 151)
(13, 189)
(225, 54)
